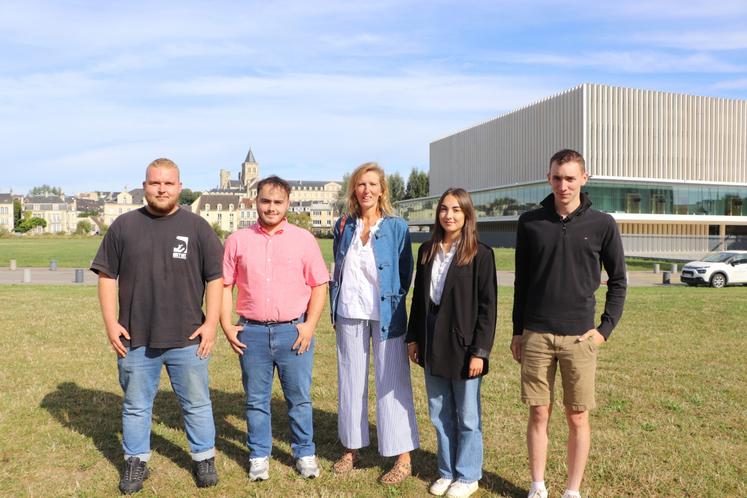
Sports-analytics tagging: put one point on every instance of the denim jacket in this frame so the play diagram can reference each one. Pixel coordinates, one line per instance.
(393, 254)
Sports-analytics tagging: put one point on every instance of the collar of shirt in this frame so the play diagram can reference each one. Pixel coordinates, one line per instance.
(257, 227)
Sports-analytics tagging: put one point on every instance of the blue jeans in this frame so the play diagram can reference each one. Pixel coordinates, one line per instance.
(267, 347)
(454, 408)
(139, 375)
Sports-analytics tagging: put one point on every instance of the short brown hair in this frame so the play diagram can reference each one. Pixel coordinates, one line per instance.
(567, 155)
(162, 162)
(385, 205)
(274, 181)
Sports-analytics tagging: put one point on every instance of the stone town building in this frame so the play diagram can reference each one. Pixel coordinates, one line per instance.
(7, 221)
(60, 214)
(231, 204)
(122, 202)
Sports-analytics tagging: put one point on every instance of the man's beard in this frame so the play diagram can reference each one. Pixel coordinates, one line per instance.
(162, 210)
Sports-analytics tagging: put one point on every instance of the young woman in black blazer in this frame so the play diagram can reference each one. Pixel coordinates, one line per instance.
(450, 334)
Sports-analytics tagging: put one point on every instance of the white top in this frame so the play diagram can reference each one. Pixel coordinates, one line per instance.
(359, 293)
(441, 264)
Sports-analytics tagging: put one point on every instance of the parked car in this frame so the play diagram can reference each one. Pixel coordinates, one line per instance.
(717, 270)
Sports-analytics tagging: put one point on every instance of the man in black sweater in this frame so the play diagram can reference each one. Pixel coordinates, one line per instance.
(560, 250)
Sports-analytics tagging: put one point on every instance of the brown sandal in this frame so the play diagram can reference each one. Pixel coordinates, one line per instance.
(346, 462)
(399, 472)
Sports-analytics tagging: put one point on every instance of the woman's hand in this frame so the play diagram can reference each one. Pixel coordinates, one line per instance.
(475, 366)
(412, 351)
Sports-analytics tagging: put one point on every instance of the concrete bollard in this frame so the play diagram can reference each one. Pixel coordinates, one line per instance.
(53, 265)
(78, 276)
(674, 268)
(27, 275)
(656, 267)
(12, 265)
(666, 278)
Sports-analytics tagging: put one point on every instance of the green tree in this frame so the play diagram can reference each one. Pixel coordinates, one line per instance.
(188, 196)
(302, 220)
(84, 227)
(342, 201)
(396, 187)
(45, 189)
(222, 234)
(417, 184)
(30, 223)
(17, 210)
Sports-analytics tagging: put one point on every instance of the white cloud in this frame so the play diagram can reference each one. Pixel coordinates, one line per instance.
(738, 84)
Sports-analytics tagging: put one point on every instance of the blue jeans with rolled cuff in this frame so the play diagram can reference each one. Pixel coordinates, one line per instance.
(139, 376)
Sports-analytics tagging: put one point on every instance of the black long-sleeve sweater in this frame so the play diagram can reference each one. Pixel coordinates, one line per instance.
(558, 269)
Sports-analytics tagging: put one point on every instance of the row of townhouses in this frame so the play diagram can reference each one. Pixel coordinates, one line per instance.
(230, 205)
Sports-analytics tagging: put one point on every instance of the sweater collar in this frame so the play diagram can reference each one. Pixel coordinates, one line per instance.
(549, 204)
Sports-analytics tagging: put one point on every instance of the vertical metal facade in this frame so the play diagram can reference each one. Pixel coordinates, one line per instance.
(647, 134)
(622, 132)
(512, 148)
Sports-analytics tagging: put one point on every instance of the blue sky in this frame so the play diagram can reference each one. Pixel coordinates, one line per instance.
(90, 92)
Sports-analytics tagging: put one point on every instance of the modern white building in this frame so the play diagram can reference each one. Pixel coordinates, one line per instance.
(668, 167)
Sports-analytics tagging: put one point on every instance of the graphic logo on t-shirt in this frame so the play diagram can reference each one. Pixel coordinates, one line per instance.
(180, 250)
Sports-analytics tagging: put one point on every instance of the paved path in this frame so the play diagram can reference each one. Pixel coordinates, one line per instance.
(66, 276)
(45, 276)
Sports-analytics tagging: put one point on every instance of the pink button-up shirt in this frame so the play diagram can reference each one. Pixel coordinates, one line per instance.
(274, 273)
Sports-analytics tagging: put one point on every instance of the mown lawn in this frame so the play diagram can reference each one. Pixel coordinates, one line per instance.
(671, 419)
(74, 252)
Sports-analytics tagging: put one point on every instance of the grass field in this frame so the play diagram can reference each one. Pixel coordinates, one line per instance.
(671, 420)
(78, 253)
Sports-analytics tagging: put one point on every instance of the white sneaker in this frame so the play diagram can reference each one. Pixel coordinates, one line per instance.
(568, 495)
(537, 493)
(308, 466)
(259, 469)
(440, 486)
(461, 489)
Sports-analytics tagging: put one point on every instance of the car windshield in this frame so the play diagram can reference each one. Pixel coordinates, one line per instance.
(718, 257)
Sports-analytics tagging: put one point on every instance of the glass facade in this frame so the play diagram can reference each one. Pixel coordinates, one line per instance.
(608, 196)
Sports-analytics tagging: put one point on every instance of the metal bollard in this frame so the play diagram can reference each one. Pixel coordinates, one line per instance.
(27, 275)
(53, 265)
(12, 265)
(78, 276)
(666, 278)
(674, 267)
(656, 267)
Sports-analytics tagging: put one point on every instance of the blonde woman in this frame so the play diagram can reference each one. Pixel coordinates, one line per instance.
(373, 270)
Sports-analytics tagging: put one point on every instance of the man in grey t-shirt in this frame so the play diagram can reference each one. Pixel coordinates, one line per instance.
(165, 259)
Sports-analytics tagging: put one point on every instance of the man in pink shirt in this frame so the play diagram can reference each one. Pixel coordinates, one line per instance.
(282, 281)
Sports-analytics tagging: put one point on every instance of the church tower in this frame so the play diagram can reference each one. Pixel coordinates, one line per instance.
(249, 170)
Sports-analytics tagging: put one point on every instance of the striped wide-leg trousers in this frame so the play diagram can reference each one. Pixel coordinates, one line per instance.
(397, 429)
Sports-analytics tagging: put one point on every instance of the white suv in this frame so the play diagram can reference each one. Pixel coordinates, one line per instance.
(717, 269)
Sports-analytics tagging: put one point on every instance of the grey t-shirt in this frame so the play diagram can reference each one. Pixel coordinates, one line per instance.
(162, 264)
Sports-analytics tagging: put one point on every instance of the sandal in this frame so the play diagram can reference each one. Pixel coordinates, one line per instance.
(346, 462)
(399, 472)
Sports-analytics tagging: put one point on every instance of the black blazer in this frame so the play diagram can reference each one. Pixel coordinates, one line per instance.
(466, 321)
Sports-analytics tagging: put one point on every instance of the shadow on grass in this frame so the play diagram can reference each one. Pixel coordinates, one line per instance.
(97, 415)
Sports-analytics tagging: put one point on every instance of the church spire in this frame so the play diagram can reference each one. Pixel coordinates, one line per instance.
(250, 157)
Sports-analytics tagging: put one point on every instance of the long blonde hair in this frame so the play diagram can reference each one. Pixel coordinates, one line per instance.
(467, 244)
(385, 205)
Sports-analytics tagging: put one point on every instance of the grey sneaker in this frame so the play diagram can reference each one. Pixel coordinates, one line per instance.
(308, 466)
(205, 473)
(259, 469)
(134, 473)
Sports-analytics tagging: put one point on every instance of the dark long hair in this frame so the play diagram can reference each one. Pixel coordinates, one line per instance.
(467, 244)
